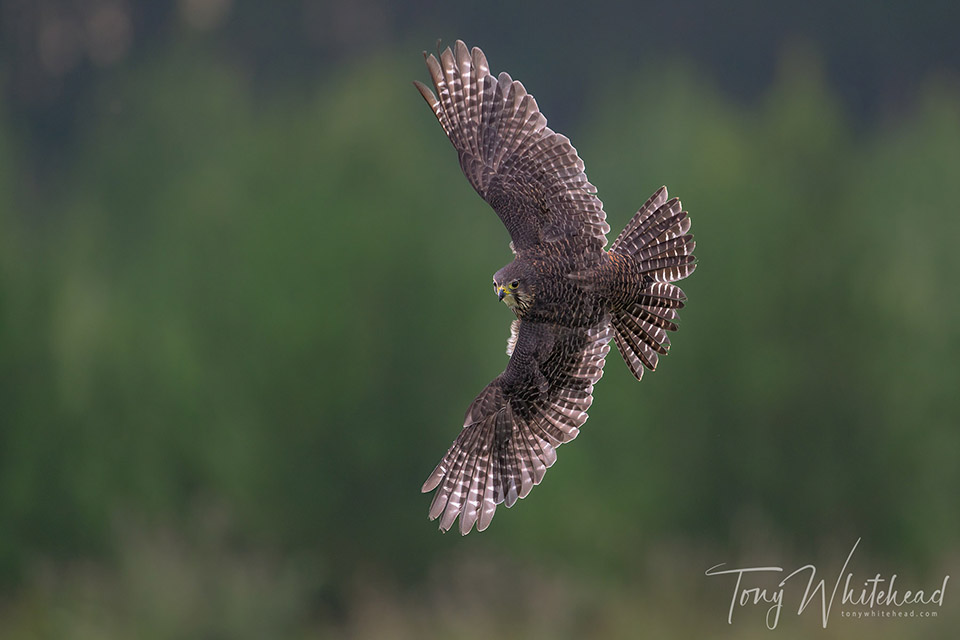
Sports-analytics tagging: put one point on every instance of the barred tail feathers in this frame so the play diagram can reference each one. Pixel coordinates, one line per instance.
(658, 241)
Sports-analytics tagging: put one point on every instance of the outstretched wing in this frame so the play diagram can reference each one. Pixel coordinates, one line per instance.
(530, 175)
(512, 429)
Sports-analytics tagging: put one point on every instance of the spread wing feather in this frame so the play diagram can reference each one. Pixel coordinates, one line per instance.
(530, 175)
(512, 429)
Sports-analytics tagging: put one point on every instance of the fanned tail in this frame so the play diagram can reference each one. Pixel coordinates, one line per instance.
(661, 253)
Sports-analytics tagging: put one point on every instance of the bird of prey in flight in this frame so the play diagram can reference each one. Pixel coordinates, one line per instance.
(570, 295)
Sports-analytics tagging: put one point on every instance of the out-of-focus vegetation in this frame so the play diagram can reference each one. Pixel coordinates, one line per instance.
(237, 337)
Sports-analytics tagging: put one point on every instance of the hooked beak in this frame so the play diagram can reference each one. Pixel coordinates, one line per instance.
(500, 293)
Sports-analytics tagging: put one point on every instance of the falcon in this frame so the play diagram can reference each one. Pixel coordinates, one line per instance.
(571, 297)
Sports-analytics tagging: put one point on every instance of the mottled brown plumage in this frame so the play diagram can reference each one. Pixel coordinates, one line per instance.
(570, 296)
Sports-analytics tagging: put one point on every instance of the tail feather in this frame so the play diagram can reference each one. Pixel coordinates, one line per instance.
(668, 269)
(651, 225)
(657, 239)
(679, 246)
(652, 316)
(649, 208)
(663, 295)
(636, 354)
(634, 323)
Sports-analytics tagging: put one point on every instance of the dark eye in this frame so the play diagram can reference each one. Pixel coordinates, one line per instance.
(514, 284)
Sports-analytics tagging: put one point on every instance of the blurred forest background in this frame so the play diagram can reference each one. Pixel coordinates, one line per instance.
(244, 303)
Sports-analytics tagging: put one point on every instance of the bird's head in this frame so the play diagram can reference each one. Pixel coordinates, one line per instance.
(513, 289)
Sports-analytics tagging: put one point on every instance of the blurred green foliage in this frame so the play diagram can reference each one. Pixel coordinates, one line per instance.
(279, 308)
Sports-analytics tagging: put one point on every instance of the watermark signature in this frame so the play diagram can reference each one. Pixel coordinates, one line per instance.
(882, 596)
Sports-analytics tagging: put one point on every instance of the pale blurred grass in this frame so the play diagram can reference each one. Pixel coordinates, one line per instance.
(202, 582)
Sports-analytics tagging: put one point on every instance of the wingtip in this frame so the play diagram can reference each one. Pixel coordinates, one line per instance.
(433, 481)
(429, 485)
(466, 523)
(425, 92)
(483, 524)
